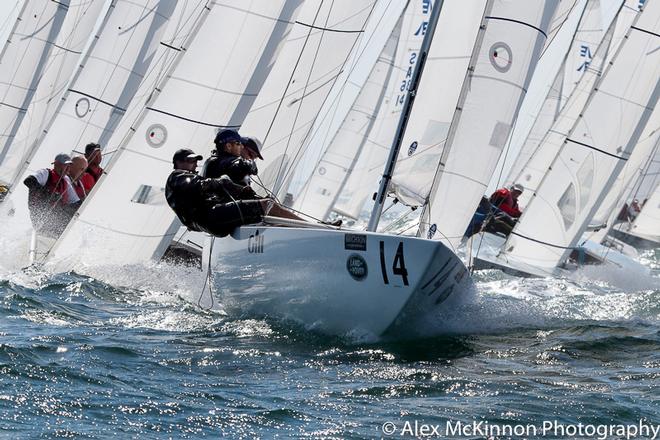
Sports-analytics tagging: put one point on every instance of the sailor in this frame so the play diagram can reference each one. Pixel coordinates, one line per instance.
(506, 199)
(94, 156)
(214, 205)
(52, 201)
(488, 218)
(226, 158)
(252, 149)
(251, 152)
(633, 210)
(81, 180)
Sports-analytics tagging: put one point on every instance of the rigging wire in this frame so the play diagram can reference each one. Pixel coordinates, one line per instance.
(208, 279)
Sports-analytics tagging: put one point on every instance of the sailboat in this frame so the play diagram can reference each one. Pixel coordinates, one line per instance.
(644, 231)
(341, 281)
(124, 54)
(592, 154)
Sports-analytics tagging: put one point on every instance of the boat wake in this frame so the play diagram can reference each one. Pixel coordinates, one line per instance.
(176, 298)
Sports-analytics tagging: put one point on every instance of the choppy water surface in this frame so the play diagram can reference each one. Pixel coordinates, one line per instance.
(128, 352)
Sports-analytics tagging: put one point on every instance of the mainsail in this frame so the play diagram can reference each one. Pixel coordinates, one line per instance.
(594, 151)
(580, 54)
(368, 127)
(647, 223)
(211, 85)
(74, 35)
(446, 166)
(23, 62)
(530, 171)
(104, 85)
(311, 61)
(624, 187)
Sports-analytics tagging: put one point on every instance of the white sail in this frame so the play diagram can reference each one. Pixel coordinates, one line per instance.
(211, 85)
(647, 223)
(583, 47)
(531, 173)
(579, 55)
(594, 151)
(311, 61)
(359, 137)
(101, 90)
(72, 39)
(623, 189)
(23, 61)
(463, 155)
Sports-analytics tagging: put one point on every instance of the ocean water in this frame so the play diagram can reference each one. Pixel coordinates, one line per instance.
(129, 352)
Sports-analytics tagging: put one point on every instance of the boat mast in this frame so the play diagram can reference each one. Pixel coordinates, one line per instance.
(403, 119)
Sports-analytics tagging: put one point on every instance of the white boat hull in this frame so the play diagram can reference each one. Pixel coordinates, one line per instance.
(639, 241)
(335, 281)
(486, 255)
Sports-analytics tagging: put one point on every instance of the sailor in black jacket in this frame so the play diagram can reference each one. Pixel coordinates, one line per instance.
(226, 159)
(214, 205)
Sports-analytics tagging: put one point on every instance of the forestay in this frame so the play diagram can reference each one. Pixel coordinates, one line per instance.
(219, 70)
(466, 152)
(311, 61)
(23, 62)
(358, 149)
(594, 151)
(74, 35)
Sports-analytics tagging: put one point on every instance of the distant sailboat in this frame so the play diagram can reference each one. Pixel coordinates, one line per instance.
(102, 89)
(593, 151)
(62, 60)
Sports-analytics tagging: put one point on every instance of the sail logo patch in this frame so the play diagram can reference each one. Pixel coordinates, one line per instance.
(501, 57)
(82, 107)
(156, 135)
(357, 267)
(355, 242)
(256, 243)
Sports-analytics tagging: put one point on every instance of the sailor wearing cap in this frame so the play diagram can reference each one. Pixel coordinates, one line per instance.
(506, 199)
(214, 205)
(227, 158)
(52, 199)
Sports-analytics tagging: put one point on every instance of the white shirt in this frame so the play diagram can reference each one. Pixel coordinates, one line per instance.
(42, 178)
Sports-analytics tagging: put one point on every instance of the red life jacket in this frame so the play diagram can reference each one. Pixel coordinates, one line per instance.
(96, 172)
(57, 184)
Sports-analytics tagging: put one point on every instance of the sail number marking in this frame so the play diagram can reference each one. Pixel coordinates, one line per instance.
(398, 265)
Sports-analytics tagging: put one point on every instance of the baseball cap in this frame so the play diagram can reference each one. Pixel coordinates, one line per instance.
(91, 147)
(225, 136)
(253, 144)
(185, 153)
(518, 187)
(63, 158)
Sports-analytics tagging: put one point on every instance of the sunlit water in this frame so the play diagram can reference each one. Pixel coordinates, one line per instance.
(129, 352)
